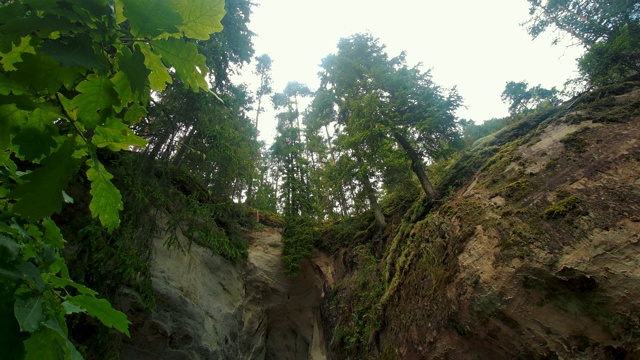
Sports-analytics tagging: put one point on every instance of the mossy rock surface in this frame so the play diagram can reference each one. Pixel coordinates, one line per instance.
(522, 257)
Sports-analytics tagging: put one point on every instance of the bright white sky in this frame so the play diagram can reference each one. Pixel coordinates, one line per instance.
(476, 45)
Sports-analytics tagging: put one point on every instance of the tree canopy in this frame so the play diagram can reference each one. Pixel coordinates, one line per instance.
(521, 97)
(608, 29)
(382, 106)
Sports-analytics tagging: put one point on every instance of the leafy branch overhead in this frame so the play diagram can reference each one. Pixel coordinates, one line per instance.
(74, 76)
(112, 72)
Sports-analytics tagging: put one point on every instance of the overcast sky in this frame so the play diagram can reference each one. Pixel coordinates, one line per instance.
(476, 45)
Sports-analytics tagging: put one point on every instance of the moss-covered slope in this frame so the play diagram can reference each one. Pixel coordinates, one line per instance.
(533, 254)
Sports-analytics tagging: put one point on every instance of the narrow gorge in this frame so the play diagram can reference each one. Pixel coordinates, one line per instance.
(210, 308)
(390, 204)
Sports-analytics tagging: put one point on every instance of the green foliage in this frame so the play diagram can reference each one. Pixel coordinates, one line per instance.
(200, 18)
(223, 235)
(389, 119)
(183, 57)
(288, 150)
(298, 236)
(74, 77)
(99, 308)
(231, 48)
(561, 208)
(359, 328)
(347, 232)
(260, 192)
(39, 192)
(609, 30)
(472, 133)
(214, 140)
(37, 278)
(613, 60)
(263, 69)
(270, 219)
(106, 200)
(521, 98)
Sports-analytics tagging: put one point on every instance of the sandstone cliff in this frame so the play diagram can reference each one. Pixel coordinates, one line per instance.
(534, 253)
(210, 308)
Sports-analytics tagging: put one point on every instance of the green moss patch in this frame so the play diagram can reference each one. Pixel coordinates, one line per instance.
(517, 189)
(561, 208)
(574, 142)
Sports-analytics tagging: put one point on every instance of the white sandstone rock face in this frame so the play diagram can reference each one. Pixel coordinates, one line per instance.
(209, 308)
(281, 312)
(199, 303)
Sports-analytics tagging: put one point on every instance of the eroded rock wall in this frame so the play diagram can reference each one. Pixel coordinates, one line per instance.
(536, 256)
(209, 308)
(281, 310)
(199, 307)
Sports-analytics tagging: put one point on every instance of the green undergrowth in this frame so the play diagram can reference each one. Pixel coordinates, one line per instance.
(561, 208)
(298, 236)
(516, 189)
(423, 241)
(268, 219)
(346, 232)
(608, 103)
(359, 327)
(158, 201)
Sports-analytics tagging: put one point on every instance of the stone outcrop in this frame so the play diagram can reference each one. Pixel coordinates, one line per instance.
(199, 307)
(282, 319)
(209, 308)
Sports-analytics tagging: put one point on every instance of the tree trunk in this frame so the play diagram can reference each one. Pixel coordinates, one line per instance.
(250, 195)
(153, 151)
(161, 140)
(342, 198)
(186, 140)
(259, 110)
(373, 202)
(416, 165)
(276, 181)
(165, 156)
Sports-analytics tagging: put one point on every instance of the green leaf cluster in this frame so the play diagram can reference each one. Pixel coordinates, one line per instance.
(37, 292)
(289, 151)
(522, 98)
(609, 31)
(74, 77)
